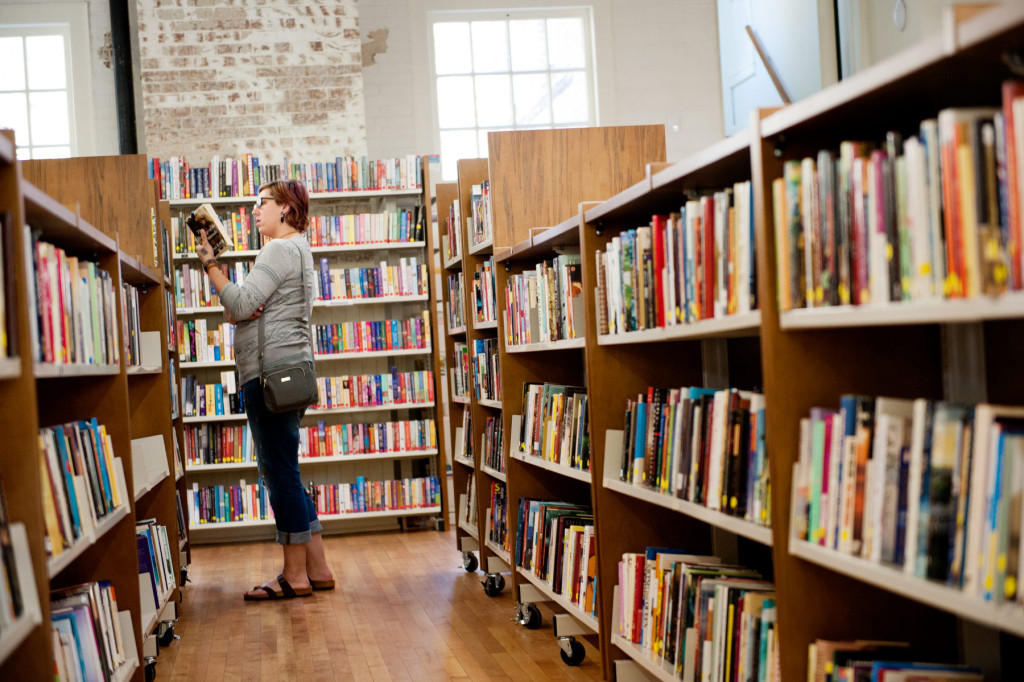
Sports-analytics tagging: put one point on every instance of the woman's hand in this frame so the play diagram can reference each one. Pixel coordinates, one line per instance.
(204, 250)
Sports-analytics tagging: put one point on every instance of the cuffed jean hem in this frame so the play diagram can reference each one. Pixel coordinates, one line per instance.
(302, 538)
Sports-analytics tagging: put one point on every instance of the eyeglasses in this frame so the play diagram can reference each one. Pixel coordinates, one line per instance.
(260, 199)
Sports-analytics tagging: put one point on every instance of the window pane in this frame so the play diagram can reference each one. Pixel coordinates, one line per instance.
(455, 145)
(48, 112)
(51, 152)
(14, 114)
(451, 48)
(533, 104)
(46, 67)
(529, 45)
(490, 46)
(494, 100)
(455, 102)
(12, 56)
(565, 44)
(569, 97)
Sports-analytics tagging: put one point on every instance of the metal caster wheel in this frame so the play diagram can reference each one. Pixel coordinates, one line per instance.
(572, 651)
(165, 634)
(469, 562)
(150, 669)
(493, 584)
(529, 617)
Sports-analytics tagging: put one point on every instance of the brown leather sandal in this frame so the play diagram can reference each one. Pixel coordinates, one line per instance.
(321, 585)
(287, 591)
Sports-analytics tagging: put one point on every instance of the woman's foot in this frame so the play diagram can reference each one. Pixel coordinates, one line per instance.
(279, 588)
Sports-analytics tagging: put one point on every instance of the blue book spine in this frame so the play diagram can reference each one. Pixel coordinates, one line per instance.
(218, 396)
(69, 482)
(105, 483)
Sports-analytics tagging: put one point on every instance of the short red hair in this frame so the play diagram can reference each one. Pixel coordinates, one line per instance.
(293, 194)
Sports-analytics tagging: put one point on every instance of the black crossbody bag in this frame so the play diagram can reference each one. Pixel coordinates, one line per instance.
(293, 386)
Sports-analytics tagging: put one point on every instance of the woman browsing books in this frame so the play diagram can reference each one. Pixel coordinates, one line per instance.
(280, 292)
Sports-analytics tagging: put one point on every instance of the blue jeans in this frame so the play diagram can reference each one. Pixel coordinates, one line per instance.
(276, 438)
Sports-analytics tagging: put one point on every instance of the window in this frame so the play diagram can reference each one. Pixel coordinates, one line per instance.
(509, 70)
(40, 97)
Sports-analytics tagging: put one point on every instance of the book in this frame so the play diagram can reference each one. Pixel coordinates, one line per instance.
(205, 218)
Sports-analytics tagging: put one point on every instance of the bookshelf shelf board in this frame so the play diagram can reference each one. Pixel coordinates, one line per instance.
(214, 418)
(201, 310)
(1007, 617)
(384, 513)
(487, 402)
(207, 363)
(244, 253)
(231, 466)
(460, 399)
(327, 249)
(126, 671)
(15, 633)
(493, 473)
(732, 524)
(1010, 305)
(499, 551)
(334, 303)
(151, 618)
(564, 344)
(453, 263)
(465, 461)
(229, 524)
(468, 529)
(142, 370)
(741, 324)
(167, 282)
(59, 224)
(6, 155)
(722, 156)
(552, 466)
(585, 619)
(654, 665)
(134, 272)
(483, 247)
(313, 196)
(181, 543)
(356, 355)
(56, 564)
(457, 331)
(486, 324)
(369, 408)
(49, 370)
(545, 242)
(10, 368)
(148, 487)
(621, 204)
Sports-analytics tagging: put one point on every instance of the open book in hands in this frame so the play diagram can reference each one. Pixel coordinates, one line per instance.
(205, 218)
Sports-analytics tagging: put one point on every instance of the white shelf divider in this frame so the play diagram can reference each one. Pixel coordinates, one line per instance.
(31, 615)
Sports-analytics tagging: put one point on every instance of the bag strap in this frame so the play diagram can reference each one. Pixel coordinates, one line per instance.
(309, 331)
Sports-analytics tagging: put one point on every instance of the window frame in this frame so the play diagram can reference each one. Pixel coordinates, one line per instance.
(584, 13)
(38, 19)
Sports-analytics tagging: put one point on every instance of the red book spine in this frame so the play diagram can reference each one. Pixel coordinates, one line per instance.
(658, 223)
(707, 205)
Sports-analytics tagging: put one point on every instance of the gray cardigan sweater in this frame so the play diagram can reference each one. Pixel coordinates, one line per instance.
(275, 282)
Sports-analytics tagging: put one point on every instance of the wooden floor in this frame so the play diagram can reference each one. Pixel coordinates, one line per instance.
(404, 609)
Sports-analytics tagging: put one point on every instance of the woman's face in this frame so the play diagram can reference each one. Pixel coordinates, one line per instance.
(269, 215)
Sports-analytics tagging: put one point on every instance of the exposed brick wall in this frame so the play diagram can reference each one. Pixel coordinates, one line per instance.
(277, 77)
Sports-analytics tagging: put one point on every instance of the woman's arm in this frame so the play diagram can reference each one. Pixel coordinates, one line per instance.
(242, 302)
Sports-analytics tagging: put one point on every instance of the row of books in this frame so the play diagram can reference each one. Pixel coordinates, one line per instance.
(12, 601)
(363, 495)
(856, 660)
(7, 327)
(491, 450)
(408, 278)
(361, 336)
(937, 215)
(497, 530)
(555, 424)
(333, 440)
(546, 303)
(80, 481)
(76, 308)
(199, 343)
(683, 267)
(367, 390)
(460, 370)
(464, 437)
(132, 325)
(484, 301)
(452, 239)
(229, 503)
(213, 443)
(702, 445)
(467, 513)
(453, 307)
(154, 553)
(478, 222)
(485, 369)
(192, 288)
(241, 177)
(85, 627)
(932, 488)
(704, 619)
(203, 400)
(172, 327)
(541, 528)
